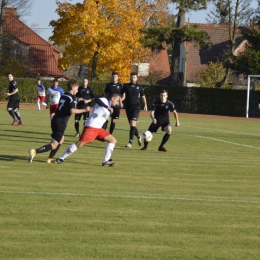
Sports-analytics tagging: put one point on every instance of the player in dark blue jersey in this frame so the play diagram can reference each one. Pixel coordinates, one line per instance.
(13, 101)
(67, 106)
(133, 93)
(111, 88)
(160, 118)
(85, 95)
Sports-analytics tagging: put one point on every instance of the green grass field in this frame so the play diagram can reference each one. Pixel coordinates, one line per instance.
(201, 200)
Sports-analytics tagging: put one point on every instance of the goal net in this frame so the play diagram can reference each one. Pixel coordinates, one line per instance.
(249, 87)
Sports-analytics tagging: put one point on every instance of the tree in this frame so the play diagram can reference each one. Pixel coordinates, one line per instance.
(175, 33)
(104, 33)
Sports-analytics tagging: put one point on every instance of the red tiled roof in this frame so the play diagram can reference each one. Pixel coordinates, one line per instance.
(198, 58)
(44, 56)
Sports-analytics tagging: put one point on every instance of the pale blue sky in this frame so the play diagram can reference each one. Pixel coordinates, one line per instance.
(44, 11)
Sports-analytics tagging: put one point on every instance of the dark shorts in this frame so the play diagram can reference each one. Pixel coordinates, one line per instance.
(13, 103)
(116, 113)
(132, 113)
(85, 116)
(154, 127)
(58, 128)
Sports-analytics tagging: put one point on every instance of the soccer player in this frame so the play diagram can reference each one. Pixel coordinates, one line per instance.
(14, 100)
(53, 95)
(93, 129)
(133, 92)
(114, 87)
(160, 118)
(85, 96)
(67, 106)
(40, 95)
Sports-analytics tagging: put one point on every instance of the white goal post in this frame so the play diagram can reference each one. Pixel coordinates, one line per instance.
(248, 92)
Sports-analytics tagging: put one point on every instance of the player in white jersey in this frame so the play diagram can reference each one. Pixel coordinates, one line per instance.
(53, 95)
(40, 95)
(93, 129)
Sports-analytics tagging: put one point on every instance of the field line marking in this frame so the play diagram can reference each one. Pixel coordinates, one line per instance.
(223, 141)
(129, 196)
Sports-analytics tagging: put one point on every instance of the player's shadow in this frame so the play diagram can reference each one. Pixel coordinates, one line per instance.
(11, 158)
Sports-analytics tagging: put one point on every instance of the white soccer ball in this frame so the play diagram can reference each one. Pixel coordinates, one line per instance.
(147, 136)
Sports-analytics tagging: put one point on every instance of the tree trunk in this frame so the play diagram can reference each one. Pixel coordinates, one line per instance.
(94, 65)
(3, 5)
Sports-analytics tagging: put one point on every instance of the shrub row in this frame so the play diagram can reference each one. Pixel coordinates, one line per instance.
(187, 100)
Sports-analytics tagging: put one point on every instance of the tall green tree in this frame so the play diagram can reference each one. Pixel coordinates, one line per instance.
(175, 33)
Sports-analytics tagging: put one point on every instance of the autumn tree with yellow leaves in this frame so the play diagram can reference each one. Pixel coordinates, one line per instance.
(105, 33)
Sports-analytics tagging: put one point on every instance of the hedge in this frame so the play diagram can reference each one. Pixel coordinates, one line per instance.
(187, 100)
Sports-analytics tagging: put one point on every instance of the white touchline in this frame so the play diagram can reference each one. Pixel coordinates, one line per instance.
(128, 196)
(223, 141)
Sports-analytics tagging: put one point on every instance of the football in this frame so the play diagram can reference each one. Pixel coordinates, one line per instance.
(147, 136)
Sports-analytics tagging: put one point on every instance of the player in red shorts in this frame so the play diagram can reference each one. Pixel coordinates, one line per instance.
(93, 129)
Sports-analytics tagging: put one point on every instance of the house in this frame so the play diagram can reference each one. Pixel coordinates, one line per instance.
(192, 58)
(23, 41)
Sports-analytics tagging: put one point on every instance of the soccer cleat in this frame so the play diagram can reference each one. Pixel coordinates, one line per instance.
(129, 145)
(143, 149)
(139, 139)
(76, 135)
(50, 160)
(20, 123)
(109, 163)
(162, 149)
(59, 160)
(32, 153)
(15, 121)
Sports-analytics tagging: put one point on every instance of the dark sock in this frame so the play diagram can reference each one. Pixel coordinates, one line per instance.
(145, 144)
(53, 152)
(136, 132)
(112, 127)
(11, 112)
(77, 126)
(165, 139)
(44, 149)
(18, 115)
(132, 133)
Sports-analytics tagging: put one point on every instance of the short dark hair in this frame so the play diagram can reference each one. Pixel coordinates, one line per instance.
(114, 73)
(55, 80)
(114, 95)
(9, 73)
(133, 74)
(72, 83)
(164, 91)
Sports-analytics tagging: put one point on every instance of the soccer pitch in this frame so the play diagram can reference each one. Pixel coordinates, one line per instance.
(201, 200)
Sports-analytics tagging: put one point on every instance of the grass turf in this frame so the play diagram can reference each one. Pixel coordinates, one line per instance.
(198, 201)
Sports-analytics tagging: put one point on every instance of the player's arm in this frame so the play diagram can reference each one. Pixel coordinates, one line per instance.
(152, 117)
(79, 111)
(12, 93)
(145, 103)
(102, 104)
(176, 118)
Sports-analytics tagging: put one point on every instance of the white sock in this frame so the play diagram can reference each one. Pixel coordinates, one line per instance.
(73, 148)
(44, 104)
(39, 105)
(109, 151)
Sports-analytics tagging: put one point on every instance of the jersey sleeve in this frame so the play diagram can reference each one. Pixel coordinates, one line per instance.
(106, 89)
(73, 103)
(14, 85)
(171, 106)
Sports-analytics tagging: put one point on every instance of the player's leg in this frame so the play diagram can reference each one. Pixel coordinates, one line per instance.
(76, 124)
(39, 103)
(111, 142)
(17, 113)
(168, 130)
(43, 101)
(153, 129)
(114, 117)
(12, 114)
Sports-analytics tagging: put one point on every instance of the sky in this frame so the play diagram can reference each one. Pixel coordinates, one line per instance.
(43, 12)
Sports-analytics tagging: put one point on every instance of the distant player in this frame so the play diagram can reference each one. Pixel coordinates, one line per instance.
(67, 106)
(13, 101)
(133, 93)
(85, 95)
(114, 87)
(93, 129)
(160, 118)
(41, 95)
(53, 95)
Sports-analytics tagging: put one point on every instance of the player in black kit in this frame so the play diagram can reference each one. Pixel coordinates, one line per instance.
(133, 92)
(160, 118)
(111, 88)
(14, 100)
(85, 95)
(67, 106)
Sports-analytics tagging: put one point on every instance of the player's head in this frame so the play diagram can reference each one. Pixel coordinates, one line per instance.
(38, 81)
(55, 83)
(85, 82)
(133, 77)
(164, 95)
(10, 76)
(114, 77)
(73, 86)
(114, 99)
